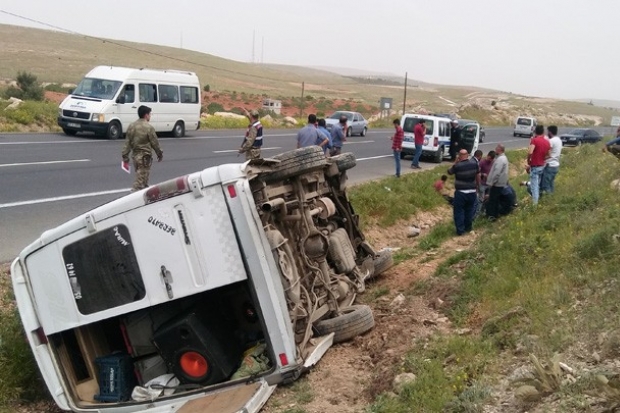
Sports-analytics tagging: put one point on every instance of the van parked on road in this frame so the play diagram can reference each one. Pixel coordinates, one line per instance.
(524, 126)
(437, 139)
(106, 101)
(232, 279)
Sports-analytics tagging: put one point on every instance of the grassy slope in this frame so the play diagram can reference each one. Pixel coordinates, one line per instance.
(60, 57)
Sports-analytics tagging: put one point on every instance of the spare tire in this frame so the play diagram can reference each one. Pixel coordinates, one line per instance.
(344, 161)
(297, 162)
(353, 321)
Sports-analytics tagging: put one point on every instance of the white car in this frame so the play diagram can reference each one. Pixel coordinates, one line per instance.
(524, 126)
(356, 123)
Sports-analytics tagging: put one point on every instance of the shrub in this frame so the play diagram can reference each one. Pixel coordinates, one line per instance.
(207, 88)
(28, 88)
(214, 107)
(220, 122)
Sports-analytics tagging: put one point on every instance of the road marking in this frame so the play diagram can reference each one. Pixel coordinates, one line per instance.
(349, 143)
(54, 142)
(375, 157)
(63, 198)
(237, 150)
(43, 162)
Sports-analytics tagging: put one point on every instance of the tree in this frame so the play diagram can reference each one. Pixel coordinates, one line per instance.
(31, 89)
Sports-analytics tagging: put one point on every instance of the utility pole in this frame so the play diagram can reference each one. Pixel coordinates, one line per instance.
(301, 105)
(405, 98)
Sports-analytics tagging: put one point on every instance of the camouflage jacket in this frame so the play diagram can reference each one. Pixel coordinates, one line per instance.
(141, 140)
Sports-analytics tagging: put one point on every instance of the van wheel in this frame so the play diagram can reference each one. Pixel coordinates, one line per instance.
(382, 263)
(402, 155)
(69, 132)
(353, 321)
(297, 162)
(439, 155)
(114, 130)
(179, 130)
(364, 132)
(344, 161)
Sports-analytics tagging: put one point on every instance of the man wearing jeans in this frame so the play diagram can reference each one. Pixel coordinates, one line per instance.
(467, 180)
(397, 144)
(419, 131)
(552, 163)
(537, 153)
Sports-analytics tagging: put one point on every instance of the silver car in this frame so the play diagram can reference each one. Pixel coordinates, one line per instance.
(356, 123)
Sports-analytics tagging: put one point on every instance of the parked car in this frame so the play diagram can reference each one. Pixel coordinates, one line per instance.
(356, 123)
(524, 126)
(463, 122)
(579, 136)
(190, 277)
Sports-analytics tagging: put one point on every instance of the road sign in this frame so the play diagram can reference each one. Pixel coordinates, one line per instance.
(615, 121)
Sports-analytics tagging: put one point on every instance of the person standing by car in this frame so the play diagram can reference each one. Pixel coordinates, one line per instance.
(397, 144)
(539, 147)
(467, 180)
(337, 132)
(323, 130)
(309, 135)
(419, 131)
(552, 163)
(253, 139)
(455, 137)
(497, 181)
(140, 142)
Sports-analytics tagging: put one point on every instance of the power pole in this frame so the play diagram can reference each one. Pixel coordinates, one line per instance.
(405, 98)
(301, 104)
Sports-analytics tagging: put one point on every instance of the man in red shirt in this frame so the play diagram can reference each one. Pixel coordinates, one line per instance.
(539, 147)
(419, 131)
(397, 144)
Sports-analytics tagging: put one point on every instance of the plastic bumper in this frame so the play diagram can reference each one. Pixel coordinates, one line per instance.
(78, 125)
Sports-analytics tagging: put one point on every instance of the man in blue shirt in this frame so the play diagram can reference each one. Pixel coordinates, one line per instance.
(309, 135)
(338, 136)
(323, 130)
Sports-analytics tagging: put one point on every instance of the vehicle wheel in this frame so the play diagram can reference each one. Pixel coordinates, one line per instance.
(579, 142)
(297, 162)
(482, 138)
(364, 132)
(438, 155)
(354, 320)
(179, 130)
(514, 134)
(345, 161)
(349, 132)
(382, 263)
(69, 132)
(114, 130)
(402, 155)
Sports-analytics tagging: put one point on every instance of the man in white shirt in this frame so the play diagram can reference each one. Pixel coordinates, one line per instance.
(552, 162)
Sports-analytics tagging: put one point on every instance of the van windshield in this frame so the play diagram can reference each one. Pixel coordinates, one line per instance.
(411, 122)
(524, 121)
(97, 88)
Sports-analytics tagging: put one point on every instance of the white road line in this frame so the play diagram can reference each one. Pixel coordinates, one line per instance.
(54, 142)
(349, 143)
(43, 162)
(236, 150)
(63, 198)
(375, 157)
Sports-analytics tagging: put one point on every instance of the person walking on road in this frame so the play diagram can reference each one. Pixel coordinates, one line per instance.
(397, 144)
(419, 131)
(254, 138)
(552, 163)
(497, 181)
(539, 147)
(467, 180)
(338, 136)
(140, 142)
(309, 135)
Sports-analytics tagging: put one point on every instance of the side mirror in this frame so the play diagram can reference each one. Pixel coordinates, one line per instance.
(70, 91)
(120, 99)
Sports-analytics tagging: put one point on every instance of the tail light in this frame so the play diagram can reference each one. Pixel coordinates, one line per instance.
(436, 141)
(232, 192)
(283, 359)
(194, 364)
(168, 189)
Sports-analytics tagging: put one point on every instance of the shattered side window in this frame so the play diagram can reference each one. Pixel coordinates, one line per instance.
(103, 270)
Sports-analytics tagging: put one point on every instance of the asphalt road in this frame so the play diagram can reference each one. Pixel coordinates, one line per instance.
(47, 179)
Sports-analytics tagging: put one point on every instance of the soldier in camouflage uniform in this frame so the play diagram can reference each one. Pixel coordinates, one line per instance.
(141, 141)
(253, 139)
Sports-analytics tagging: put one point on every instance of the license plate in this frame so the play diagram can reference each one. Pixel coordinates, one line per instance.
(74, 125)
(408, 139)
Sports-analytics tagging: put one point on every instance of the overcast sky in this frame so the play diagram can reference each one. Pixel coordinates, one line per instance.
(551, 48)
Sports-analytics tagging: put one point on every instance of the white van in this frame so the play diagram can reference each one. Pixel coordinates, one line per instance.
(437, 138)
(524, 126)
(232, 280)
(106, 101)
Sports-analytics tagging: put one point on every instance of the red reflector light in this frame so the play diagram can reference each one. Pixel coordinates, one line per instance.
(194, 364)
(232, 192)
(283, 359)
(436, 141)
(168, 189)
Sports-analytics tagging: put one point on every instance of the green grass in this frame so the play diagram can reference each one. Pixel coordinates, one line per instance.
(28, 115)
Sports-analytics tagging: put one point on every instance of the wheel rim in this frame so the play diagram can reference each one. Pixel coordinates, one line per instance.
(178, 130)
(114, 131)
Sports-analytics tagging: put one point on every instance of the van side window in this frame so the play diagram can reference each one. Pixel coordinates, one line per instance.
(129, 92)
(442, 129)
(103, 270)
(189, 94)
(168, 94)
(148, 92)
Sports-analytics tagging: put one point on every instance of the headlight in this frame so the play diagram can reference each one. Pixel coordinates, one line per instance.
(98, 117)
(60, 112)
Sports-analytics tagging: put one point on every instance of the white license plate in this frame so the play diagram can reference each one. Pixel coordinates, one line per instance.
(408, 139)
(74, 125)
